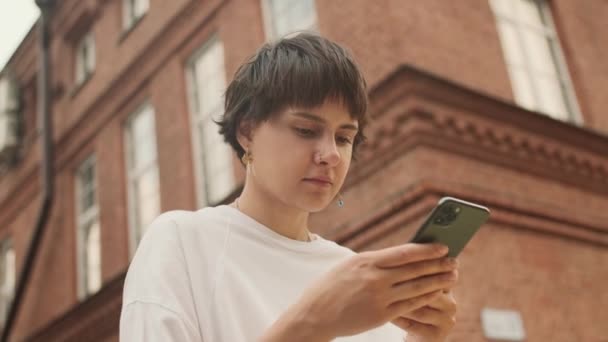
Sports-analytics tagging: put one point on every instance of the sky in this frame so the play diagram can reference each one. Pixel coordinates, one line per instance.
(16, 19)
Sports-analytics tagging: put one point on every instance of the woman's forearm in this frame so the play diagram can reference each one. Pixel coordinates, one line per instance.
(296, 326)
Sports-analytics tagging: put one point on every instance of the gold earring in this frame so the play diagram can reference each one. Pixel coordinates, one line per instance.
(247, 158)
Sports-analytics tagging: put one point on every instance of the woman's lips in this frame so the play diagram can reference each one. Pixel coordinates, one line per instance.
(318, 182)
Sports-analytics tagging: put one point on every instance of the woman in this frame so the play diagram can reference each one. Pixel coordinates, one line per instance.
(252, 270)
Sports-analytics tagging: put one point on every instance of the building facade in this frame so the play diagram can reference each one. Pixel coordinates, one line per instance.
(499, 102)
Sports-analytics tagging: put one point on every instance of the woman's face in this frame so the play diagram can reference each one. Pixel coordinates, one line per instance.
(298, 145)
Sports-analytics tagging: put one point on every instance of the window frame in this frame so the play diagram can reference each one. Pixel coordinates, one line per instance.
(136, 229)
(84, 220)
(203, 196)
(549, 33)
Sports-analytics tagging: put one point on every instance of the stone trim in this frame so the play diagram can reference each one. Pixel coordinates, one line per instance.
(413, 108)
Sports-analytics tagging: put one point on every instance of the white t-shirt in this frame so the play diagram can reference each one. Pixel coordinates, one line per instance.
(217, 275)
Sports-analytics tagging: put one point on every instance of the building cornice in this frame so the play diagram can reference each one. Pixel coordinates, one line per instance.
(412, 108)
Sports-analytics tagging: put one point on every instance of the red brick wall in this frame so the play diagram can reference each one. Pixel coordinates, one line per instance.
(512, 265)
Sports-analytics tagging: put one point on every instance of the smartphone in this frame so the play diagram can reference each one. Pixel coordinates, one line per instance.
(453, 222)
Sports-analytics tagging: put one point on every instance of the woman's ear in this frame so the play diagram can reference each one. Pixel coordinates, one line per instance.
(244, 134)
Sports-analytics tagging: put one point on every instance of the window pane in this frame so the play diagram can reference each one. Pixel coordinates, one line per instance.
(86, 184)
(210, 79)
(529, 13)
(210, 133)
(80, 73)
(147, 197)
(222, 157)
(143, 139)
(211, 97)
(87, 175)
(144, 152)
(9, 271)
(532, 57)
(147, 184)
(88, 200)
(522, 88)
(215, 155)
(552, 97)
(7, 279)
(302, 14)
(279, 6)
(217, 158)
(210, 85)
(290, 16)
(282, 24)
(149, 210)
(221, 186)
(85, 58)
(4, 95)
(219, 171)
(538, 50)
(510, 43)
(90, 53)
(142, 125)
(141, 7)
(127, 13)
(502, 7)
(93, 259)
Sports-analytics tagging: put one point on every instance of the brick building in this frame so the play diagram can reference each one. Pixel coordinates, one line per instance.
(498, 102)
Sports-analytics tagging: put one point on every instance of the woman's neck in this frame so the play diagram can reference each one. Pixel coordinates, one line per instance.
(283, 219)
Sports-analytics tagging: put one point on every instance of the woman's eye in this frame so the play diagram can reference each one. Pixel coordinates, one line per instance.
(310, 133)
(305, 132)
(344, 140)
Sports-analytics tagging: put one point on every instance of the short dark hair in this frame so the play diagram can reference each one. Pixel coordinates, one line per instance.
(302, 71)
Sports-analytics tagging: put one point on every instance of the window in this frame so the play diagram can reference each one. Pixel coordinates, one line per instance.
(133, 11)
(9, 119)
(142, 172)
(534, 59)
(213, 157)
(7, 278)
(85, 58)
(88, 234)
(286, 16)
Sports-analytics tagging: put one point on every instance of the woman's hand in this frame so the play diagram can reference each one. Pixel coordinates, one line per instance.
(371, 289)
(432, 322)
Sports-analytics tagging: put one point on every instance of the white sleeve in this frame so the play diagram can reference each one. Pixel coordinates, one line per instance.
(158, 302)
(151, 322)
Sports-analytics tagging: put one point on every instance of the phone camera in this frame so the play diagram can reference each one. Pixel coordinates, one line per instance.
(446, 215)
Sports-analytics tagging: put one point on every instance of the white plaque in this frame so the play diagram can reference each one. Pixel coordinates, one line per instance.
(502, 325)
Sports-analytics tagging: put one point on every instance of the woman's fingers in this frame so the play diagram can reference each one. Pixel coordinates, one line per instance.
(408, 253)
(420, 269)
(446, 302)
(397, 309)
(424, 285)
(428, 315)
(416, 328)
(430, 322)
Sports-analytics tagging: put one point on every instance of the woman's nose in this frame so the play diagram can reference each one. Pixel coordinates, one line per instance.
(329, 153)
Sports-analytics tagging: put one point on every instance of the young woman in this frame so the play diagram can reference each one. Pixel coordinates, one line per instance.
(252, 270)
